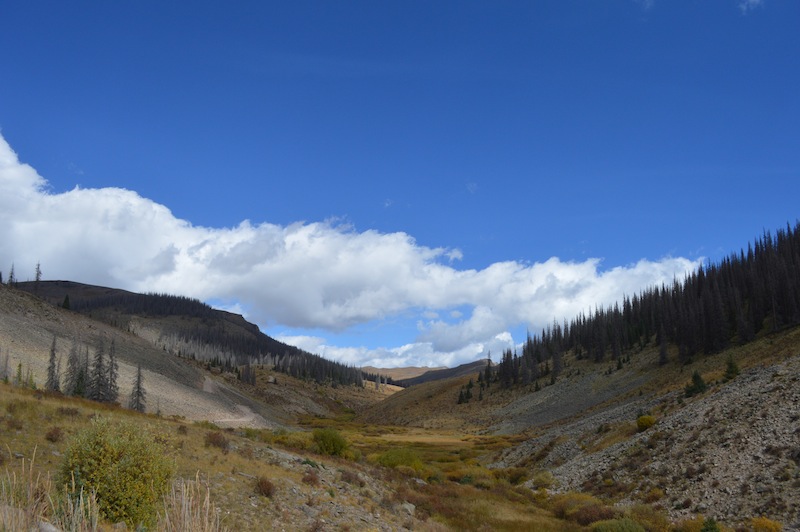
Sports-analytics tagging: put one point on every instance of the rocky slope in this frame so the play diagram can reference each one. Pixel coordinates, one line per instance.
(732, 453)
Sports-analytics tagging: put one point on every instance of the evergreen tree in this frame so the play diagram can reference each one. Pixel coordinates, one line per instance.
(137, 399)
(52, 383)
(98, 379)
(11, 278)
(65, 304)
(662, 350)
(731, 369)
(37, 278)
(75, 376)
(5, 375)
(697, 386)
(113, 373)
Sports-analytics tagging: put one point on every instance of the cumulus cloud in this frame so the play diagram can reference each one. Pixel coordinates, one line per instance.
(305, 276)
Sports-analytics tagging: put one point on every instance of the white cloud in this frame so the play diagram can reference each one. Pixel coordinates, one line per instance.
(321, 276)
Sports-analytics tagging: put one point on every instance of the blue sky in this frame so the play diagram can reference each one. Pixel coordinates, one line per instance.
(395, 183)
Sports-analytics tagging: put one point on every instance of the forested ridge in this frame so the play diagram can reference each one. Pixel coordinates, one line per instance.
(213, 336)
(752, 292)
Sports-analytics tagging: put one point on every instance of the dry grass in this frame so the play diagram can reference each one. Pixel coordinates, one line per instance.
(188, 507)
(27, 498)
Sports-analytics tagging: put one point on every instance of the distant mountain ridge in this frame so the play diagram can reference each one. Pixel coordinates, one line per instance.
(446, 373)
(189, 328)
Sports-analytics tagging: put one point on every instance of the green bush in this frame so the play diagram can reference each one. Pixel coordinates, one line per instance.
(400, 457)
(618, 525)
(122, 466)
(330, 441)
(645, 422)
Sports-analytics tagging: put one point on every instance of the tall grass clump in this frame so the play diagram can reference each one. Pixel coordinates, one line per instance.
(26, 503)
(188, 507)
(122, 465)
(23, 498)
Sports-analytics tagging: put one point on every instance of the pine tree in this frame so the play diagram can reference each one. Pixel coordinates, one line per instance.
(731, 369)
(113, 372)
(662, 350)
(37, 279)
(52, 383)
(6, 375)
(98, 379)
(11, 278)
(75, 377)
(137, 399)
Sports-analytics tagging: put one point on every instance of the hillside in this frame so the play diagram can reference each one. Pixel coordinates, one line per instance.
(191, 329)
(175, 386)
(731, 452)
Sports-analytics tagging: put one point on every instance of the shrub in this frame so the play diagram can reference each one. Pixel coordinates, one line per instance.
(762, 524)
(645, 422)
(618, 525)
(514, 475)
(217, 439)
(264, 487)
(652, 519)
(543, 479)
(294, 440)
(352, 478)
(710, 525)
(54, 435)
(565, 505)
(654, 495)
(330, 441)
(592, 513)
(183, 430)
(122, 465)
(400, 457)
(311, 478)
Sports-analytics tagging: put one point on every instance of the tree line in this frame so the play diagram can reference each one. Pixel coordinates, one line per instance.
(752, 292)
(95, 380)
(216, 337)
